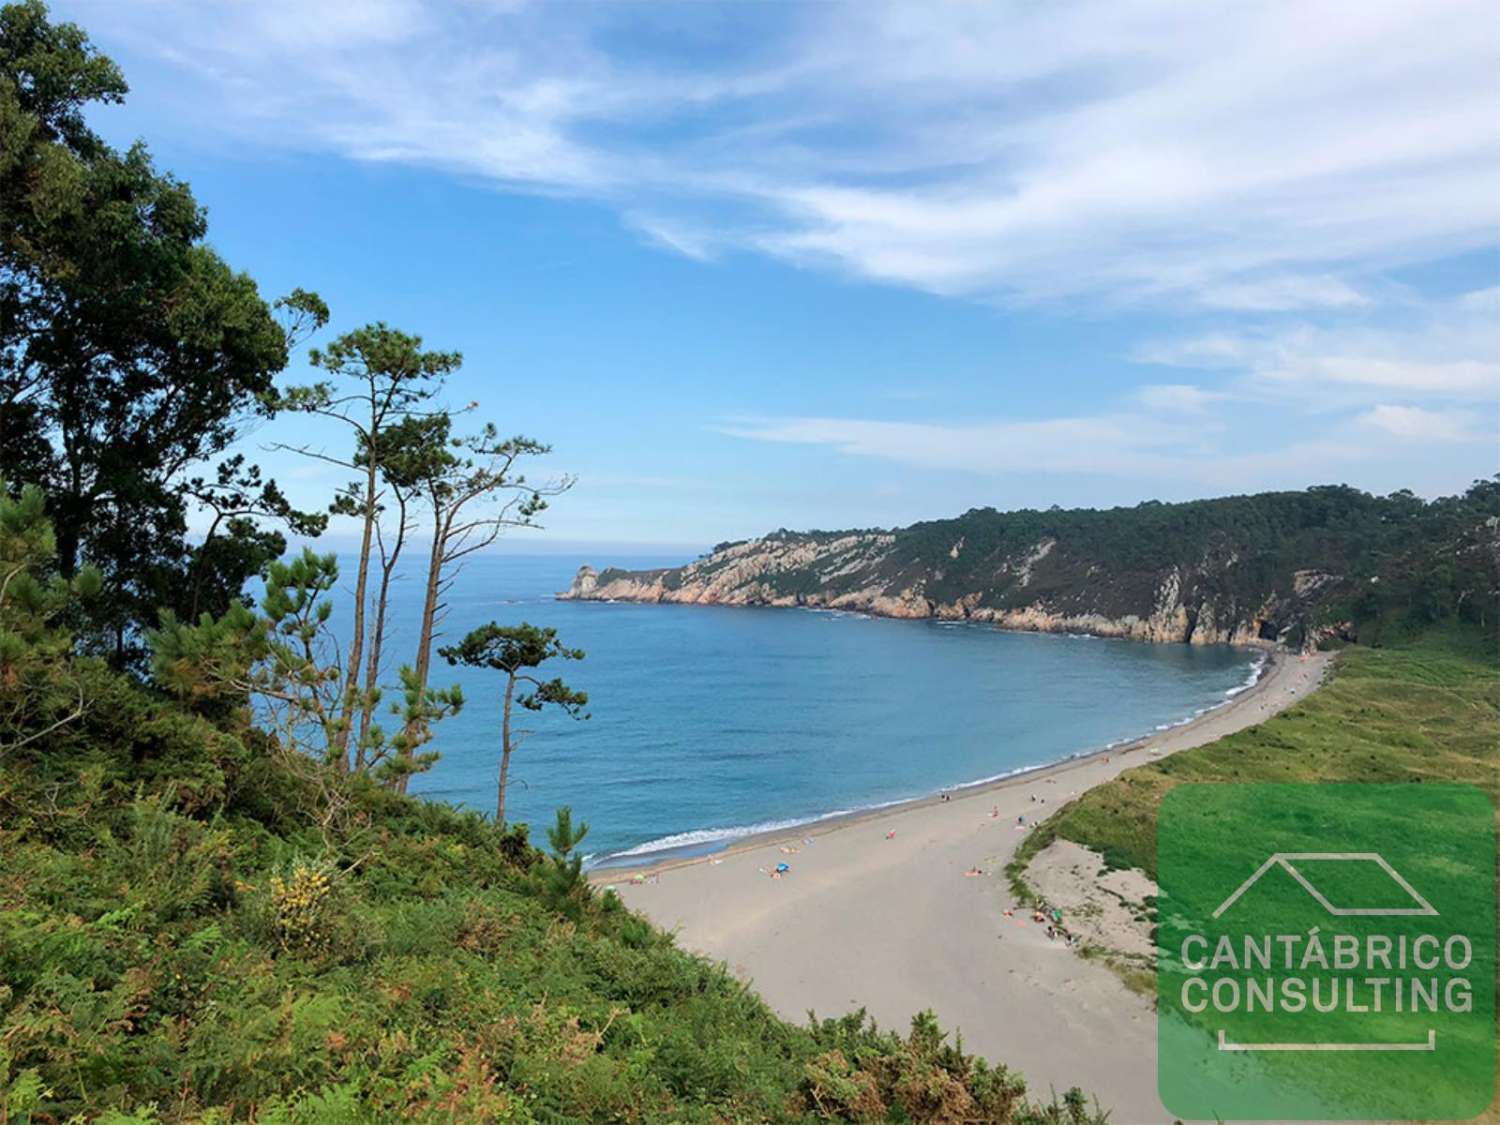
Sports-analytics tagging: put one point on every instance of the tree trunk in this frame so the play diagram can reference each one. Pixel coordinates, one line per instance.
(377, 641)
(195, 572)
(357, 644)
(422, 666)
(505, 748)
(69, 509)
(372, 671)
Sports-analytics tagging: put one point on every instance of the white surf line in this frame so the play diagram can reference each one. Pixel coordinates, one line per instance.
(1430, 1045)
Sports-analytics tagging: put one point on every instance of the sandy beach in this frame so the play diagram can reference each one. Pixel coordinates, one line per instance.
(877, 912)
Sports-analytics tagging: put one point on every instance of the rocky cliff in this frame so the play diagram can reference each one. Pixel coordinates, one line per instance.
(1254, 570)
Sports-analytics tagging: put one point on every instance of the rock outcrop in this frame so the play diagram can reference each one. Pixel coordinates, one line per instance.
(752, 578)
(1042, 588)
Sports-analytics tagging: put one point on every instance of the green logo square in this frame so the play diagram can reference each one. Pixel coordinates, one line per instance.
(1326, 952)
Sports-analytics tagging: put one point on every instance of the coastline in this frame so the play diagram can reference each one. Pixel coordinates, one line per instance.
(1164, 625)
(901, 909)
(627, 865)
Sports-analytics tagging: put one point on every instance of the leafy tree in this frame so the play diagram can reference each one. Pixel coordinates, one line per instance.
(283, 657)
(473, 493)
(513, 650)
(395, 761)
(234, 544)
(40, 689)
(561, 880)
(129, 351)
(392, 382)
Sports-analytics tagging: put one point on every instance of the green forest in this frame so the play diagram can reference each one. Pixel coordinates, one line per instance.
(1433, 560)
(1295, 567)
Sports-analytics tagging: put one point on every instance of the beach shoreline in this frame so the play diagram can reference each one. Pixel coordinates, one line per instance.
(908, 908)
(625, 865)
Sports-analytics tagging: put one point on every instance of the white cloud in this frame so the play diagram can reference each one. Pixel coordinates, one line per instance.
(1438, 351)
(1482, 300)
(1254, 157)
(1280, 294)
(697, 244)
(1102, 444)
(1413, 423)
(1189, 455)
(1177, 398)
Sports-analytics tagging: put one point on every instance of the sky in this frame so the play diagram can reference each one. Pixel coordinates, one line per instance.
(749, 266)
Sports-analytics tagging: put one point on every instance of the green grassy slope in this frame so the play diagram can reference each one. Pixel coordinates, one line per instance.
(1428, 710)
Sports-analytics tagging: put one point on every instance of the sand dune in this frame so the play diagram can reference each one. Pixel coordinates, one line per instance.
(877, 912)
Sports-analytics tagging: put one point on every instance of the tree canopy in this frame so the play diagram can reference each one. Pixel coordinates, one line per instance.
(130, 352)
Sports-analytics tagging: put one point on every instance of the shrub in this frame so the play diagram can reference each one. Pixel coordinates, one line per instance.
(303, 910)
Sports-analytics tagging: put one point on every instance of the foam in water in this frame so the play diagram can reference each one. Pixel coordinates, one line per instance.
(1255, 669)
(706, 840)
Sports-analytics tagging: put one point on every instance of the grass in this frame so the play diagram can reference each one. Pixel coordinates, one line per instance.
(1426, 711)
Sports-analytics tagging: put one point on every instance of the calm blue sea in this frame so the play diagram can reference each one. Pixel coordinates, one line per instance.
(710, 722)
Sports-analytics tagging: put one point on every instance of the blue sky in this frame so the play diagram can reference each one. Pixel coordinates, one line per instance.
(758, 265)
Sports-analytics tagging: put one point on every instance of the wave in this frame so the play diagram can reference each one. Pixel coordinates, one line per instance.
(711, 839)
(684, 841)
(1256, 667)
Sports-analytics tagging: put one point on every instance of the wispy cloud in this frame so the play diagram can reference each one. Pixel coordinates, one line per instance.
(1256, 157)
(1438, 350)
(1281, 294)
(1138, 444)
(1182, 455)
(1178, 398)
(1413, 423)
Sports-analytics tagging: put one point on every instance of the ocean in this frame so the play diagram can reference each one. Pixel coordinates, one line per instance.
(712, 722)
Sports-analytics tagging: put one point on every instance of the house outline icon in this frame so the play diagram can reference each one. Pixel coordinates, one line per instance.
(1284, 861)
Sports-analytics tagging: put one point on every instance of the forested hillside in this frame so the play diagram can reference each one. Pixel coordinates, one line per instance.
(1293, 567)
